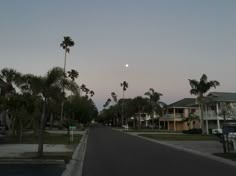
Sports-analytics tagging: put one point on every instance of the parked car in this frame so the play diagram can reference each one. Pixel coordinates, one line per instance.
(217, 131)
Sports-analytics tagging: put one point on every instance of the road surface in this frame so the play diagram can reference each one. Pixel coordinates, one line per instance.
(113, 153)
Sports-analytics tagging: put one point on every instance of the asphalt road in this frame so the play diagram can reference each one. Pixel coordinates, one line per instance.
(112, 153)
(30, 170)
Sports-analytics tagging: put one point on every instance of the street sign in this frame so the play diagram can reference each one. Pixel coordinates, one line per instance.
(72, 128)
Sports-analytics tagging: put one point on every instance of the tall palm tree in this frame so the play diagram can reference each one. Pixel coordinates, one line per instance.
(124, 86)
(154, 100)
(65, 44)
(200, 88)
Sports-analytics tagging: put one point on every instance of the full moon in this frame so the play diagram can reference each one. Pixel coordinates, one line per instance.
(126, 65)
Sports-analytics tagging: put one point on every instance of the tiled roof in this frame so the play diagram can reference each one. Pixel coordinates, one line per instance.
(222, 96)
(186, 102)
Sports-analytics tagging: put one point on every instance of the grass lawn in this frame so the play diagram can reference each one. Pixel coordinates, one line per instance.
(231, 156)
(150, 130)
(180, 137)
(48, 139)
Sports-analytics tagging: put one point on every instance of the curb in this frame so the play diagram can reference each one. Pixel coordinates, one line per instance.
(75, 166)
(212, 157)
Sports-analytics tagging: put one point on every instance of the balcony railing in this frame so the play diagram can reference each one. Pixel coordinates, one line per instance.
(209, 114)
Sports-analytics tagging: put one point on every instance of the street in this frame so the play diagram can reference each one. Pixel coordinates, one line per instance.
(30, 170)
(113, 153)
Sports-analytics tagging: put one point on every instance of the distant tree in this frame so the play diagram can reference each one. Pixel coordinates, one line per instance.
(200, 88)
(124, 86)
(115, 101)
(141, 105)
(154, 100)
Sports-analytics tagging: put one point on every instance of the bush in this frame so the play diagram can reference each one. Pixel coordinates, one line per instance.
(193, 131)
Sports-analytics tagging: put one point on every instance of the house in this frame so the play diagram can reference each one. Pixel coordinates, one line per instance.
(176, 116)
(218, 107)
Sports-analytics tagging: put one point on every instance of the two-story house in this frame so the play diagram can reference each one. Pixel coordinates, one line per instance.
(219, 106)
(176, 116)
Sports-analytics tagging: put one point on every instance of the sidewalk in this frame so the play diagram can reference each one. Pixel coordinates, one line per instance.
(208, 147)
(17, 150)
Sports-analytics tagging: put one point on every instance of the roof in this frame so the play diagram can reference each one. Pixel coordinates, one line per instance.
(221, 97)
(186, 102)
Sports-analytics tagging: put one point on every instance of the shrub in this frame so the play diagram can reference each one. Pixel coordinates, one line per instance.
(193, 131)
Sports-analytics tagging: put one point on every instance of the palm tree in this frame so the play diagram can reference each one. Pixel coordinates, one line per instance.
(91, 92)
(10, 77)
(73, 74)
(65, 44)
(154, 100)
(49, 87)
(114, 97)
(124, 86)
(107, 103)
(87, 91)
(200, 88)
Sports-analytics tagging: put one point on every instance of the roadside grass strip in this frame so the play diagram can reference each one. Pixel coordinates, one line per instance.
(179, 137)
(230, 156)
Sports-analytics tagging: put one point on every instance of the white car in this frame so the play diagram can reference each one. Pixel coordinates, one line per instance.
(217, 131)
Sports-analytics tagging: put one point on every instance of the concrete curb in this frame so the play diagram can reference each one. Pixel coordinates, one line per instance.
(215, 158)
(75, 166)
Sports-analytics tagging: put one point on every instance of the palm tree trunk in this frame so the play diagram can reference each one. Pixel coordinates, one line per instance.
(20, 131)
(41, 129)
(62, 104)
(202, 119)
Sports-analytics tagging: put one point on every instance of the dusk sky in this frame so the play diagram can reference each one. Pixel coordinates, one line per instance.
(165, 43)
